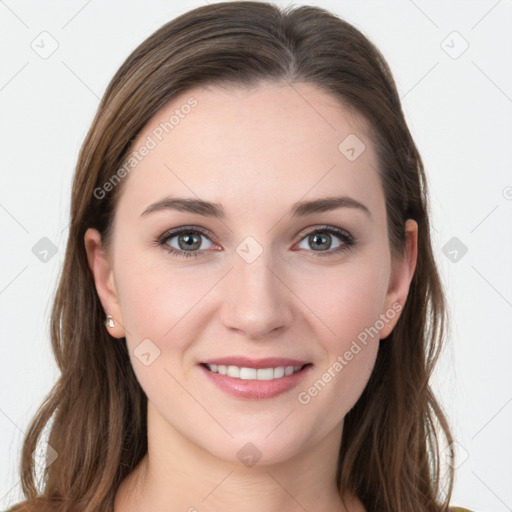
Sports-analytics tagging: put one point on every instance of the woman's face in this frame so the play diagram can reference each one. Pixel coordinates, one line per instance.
(260, 281)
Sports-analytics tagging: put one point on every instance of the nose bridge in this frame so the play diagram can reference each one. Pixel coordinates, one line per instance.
(258, 300)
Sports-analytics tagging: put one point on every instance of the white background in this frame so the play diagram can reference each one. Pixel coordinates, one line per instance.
(459, 111)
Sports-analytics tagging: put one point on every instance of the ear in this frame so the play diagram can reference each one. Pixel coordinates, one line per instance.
(400, 281)
(101, 268)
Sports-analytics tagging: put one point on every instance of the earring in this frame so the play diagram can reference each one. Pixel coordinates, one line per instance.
(109, 321)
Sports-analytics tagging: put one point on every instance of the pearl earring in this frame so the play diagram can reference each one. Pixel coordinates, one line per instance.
(109, 321)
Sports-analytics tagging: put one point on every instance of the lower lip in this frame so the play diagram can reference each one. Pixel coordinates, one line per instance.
(253, 389)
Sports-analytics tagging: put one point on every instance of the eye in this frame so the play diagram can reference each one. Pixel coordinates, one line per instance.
(321, 238)
(184, 242)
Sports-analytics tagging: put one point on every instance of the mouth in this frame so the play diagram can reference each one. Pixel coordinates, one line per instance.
(249, 383)
(249, 373)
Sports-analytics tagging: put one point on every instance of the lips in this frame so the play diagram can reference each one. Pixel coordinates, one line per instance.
(252, 385)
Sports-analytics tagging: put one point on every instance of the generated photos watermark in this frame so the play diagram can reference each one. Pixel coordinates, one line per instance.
(304, 397)
(151, 142)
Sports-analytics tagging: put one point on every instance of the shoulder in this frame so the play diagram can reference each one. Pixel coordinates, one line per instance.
(458, 509)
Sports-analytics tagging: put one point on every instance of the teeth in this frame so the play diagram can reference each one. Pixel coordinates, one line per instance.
(233, 371)
(248, 373)
(278, 372)
(253, 373)
(289, 370)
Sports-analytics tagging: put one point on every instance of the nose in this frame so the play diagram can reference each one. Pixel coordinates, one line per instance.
(258, 300)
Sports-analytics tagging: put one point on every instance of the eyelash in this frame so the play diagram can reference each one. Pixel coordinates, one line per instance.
(348, 241)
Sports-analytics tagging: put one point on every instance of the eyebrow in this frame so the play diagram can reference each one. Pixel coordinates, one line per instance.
(299, 209)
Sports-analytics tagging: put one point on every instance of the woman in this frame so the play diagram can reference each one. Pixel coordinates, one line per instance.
(211, 358)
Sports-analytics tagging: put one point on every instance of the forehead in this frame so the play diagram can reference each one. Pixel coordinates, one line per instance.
(257, 148)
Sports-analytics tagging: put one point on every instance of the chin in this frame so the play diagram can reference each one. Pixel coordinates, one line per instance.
(257, 448)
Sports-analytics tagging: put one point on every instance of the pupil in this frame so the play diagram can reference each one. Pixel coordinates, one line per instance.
(318, 240)
(188, 240)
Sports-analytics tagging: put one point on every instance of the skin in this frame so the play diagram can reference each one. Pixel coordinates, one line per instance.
(256, 152)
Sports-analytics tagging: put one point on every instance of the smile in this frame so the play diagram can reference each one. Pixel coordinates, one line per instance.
(244, 382)
(246, 373)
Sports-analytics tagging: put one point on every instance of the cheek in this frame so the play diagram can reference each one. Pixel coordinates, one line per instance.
(165, 303)
(157, 303)
(154, 293)
(346, 300)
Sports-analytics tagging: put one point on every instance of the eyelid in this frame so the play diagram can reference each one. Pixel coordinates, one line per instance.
(304, 232)
(171, 233)
(324, 227)
(348, 240)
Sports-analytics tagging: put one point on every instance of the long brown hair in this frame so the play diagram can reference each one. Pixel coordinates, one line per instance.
(390, 451)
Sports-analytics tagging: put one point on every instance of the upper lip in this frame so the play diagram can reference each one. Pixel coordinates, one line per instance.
(247, 362)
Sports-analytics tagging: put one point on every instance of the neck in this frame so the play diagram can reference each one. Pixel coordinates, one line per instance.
(177, 475)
